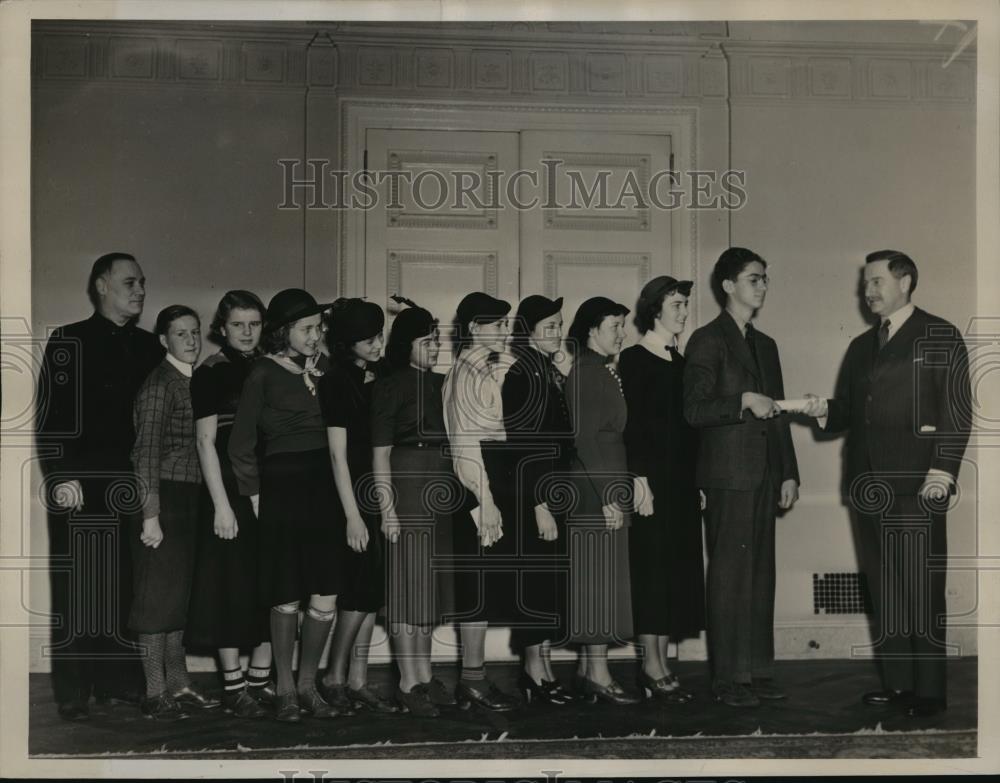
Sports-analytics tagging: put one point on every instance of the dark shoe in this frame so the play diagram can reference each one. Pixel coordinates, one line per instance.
(366, 698)
(764, 688)
(667, 689)
(610, 694)
(417, 702)
(925, 708)
(439, 693)
(888, 698)
(242, 704)
(735, 694)
(163, 707)
(265, 694)
(286, 708)
(545, 692)
(315, 705)
(483, 694)
(191, 698)
(74, 710)
(336, 696)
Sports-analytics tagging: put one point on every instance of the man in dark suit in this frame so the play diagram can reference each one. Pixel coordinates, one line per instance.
(747, 469)
(90, 374)
(903, 397)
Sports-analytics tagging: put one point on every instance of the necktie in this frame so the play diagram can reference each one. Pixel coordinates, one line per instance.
(883, 334)
(751, 342)
(675, 355)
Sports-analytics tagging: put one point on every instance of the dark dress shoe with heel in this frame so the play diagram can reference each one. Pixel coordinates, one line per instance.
(544, 692)
(367, 698)
(191, 698)
(925, 708)
(483, 694)
(336, 696)
(667, 689)
(612, 693)
(440, 694)
(735, 694)
(888, 698)
(311, 703)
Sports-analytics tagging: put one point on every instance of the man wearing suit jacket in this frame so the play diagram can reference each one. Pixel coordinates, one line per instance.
(900, 397)
(747, 469)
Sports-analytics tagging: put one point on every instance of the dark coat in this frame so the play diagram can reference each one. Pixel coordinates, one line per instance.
(735, 449)
(906, 408)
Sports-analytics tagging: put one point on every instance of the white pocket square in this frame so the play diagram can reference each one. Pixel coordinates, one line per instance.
(928, 428)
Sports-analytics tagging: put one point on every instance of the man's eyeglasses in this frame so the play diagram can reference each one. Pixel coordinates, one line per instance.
(757, 280)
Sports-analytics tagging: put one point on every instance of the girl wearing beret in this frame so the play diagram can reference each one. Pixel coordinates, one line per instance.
(486, 558)
(163, 548)
(300, 516)
(226, 615)
(600, 595)
(665, 540)
(354, 337)
(413, 480)
(540, 438)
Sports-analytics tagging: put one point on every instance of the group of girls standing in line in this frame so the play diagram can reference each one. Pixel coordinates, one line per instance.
(340, 485)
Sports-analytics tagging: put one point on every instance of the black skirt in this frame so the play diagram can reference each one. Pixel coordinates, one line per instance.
(364, 572)
(162, 576)
(487, 578)
(420, 589)
(302, 543)
(225, 611)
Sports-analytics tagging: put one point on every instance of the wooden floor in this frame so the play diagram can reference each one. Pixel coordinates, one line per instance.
(824, 697)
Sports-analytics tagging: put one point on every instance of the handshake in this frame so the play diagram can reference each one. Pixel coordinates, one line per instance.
(763, 407)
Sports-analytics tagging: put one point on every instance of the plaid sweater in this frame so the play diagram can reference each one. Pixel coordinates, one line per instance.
(164, 434)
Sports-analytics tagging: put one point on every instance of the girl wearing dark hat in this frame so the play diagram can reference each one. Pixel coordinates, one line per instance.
(540, 438)
(665, 540)
(412, 487)
(600, 594)
(473, 408)
(226, 615)
(300, 516)
(354, 337)
(163, 548)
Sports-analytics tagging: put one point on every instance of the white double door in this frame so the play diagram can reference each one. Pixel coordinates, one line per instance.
(513, 214)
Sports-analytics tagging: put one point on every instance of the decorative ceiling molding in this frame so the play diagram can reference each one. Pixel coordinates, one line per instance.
(486, 60)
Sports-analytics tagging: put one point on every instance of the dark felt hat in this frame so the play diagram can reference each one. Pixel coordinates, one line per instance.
(595, 310)
(291, 305)
(664, 285)
(412, 324)
(481, 308)
(352, 320)
(537, 308)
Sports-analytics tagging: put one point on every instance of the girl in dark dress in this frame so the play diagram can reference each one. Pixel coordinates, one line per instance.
(354, 337)
(540, 440)
(301, 521)
(413, 483)
(163, 542)
(665, 543)
(600, 592)
(225, 613)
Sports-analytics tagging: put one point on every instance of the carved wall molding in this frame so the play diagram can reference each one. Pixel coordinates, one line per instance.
(601, 61)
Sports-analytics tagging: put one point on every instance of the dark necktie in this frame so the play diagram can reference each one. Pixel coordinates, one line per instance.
(751, 339)
(883, 334)
(675, 355)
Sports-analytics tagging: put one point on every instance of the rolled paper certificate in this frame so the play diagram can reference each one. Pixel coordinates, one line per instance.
(477, 515)
(792, 406)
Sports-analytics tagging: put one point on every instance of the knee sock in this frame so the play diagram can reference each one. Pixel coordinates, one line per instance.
(152, 663)
(284, 626)
(258, 676)
(176, 662)
(232, 681)
(315, 630)
(474, 675)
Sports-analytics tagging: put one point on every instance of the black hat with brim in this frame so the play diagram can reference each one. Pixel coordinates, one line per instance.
(596, 309)
(291, 305)
(481, 308)
(665, 285)
(537, 308)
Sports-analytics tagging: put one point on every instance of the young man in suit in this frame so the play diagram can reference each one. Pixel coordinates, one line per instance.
(746, 467)
(903, 396)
